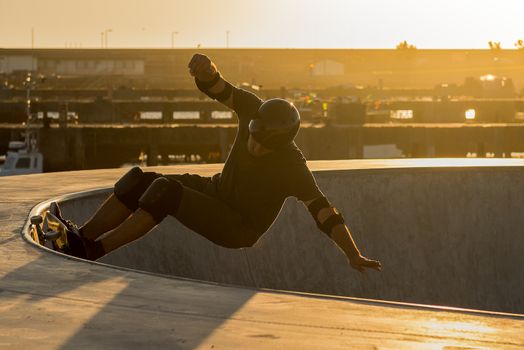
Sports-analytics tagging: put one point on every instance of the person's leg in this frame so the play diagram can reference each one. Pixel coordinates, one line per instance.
(110, 214)
(120, 204)
(213, 219)
(160, 199)
(204, 214)
(134, 227)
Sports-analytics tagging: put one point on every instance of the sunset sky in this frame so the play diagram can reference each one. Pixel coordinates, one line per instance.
(264, 23)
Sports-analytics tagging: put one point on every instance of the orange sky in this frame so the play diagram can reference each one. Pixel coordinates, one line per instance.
(267, 23)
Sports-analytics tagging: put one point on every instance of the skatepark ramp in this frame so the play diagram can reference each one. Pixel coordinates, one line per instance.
(448, 232)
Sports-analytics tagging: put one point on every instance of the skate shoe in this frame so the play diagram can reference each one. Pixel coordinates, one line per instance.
(77, 244)
(72, 228)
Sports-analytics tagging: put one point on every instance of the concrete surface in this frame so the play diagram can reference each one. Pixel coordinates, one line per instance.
(48, 301)
(446, 236)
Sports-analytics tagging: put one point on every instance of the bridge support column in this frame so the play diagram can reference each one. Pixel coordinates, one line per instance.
(152, 155)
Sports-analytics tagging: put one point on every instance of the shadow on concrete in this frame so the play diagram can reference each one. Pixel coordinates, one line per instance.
(150, 311)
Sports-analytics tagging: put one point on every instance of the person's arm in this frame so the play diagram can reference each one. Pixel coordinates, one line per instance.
(209, 80)
(330, 221)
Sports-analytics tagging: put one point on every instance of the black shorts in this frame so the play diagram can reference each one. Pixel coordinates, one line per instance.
(202, 211)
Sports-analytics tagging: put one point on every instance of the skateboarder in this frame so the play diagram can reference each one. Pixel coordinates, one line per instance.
(233, 208)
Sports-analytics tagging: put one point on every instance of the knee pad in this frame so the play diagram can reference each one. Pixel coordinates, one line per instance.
(161, 198)
(130, 187)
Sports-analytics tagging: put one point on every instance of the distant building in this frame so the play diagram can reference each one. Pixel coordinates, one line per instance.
(327, 67)
(75, 63)
(17, 63)
(91, 66)
(271, 68)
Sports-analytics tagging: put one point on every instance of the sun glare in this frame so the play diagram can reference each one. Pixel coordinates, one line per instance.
(453, 329)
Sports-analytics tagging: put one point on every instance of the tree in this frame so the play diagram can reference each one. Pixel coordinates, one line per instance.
(404, 45)
(494, 45)
(519, 44)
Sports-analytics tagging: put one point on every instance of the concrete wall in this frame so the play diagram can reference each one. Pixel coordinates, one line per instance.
(10, 64)
(447, 236)
(86, 66)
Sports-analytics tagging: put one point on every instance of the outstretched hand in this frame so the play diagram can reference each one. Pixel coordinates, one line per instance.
(202, 67)
(360, 263)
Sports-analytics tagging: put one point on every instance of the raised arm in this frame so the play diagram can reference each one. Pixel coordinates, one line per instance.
(331, 222)
(209, 80)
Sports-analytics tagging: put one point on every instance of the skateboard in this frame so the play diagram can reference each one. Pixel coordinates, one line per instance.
(48, 231)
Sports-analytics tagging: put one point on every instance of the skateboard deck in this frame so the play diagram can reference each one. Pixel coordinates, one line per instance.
(48, 231)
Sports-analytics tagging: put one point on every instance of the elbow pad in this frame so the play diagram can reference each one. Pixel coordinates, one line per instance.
(333, 220)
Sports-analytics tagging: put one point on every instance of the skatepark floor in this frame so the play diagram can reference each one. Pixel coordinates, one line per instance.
(48, 301)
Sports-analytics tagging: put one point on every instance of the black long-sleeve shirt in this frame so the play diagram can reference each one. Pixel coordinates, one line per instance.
(257, 186)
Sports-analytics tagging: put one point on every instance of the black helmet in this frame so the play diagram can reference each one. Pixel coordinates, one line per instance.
(276, 124)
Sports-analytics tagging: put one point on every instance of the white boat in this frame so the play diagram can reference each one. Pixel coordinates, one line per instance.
(22, 159)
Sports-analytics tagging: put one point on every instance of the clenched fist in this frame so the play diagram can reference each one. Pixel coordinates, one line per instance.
(202, 68)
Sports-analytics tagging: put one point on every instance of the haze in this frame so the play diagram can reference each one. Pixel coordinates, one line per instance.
(268, 23)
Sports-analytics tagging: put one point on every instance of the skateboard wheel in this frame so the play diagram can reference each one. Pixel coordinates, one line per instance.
(36, 220)
(52, 235)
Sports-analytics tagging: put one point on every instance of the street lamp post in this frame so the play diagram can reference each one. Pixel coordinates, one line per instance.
(106, 32)
(173, 34)
(102, 39)
(28, 84)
